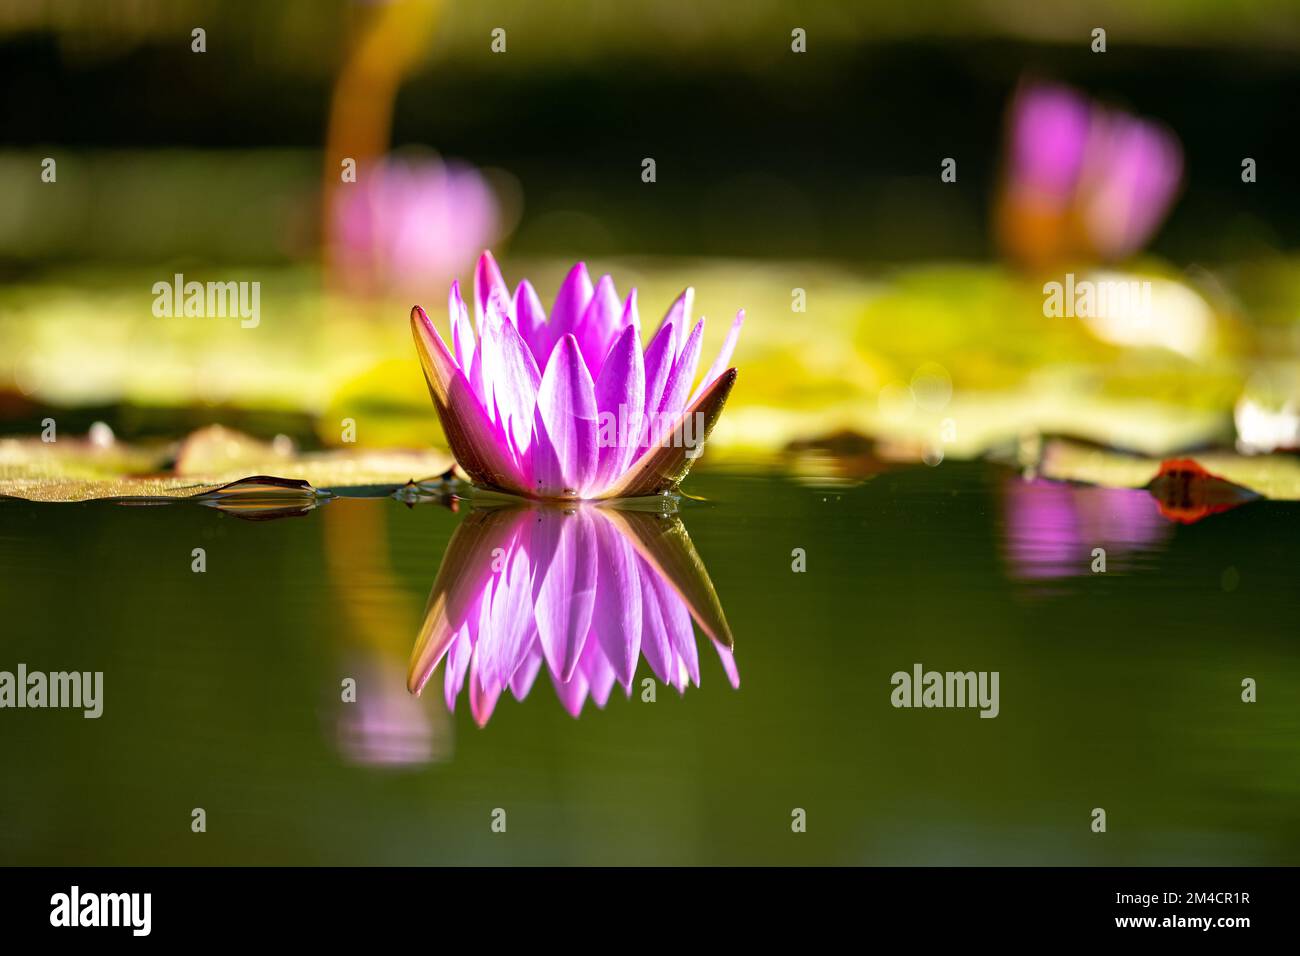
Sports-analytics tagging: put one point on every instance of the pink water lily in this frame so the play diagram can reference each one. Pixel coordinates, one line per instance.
(571, 406)
(584, 589)
(1082, 180)
(406, 219)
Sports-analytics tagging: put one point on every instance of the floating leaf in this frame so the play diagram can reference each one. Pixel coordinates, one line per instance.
(1187, 492)
(209, 460)
(1270, 476)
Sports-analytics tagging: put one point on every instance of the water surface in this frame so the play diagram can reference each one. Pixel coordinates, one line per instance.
(1120, 690)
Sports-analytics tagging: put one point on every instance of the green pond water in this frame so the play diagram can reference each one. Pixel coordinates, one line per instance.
(1119, 690)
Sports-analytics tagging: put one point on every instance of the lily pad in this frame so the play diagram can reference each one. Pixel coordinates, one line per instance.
(1271, 476)
(207, 461)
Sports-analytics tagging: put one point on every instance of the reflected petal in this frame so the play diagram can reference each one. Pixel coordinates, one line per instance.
(666, 547)
(566, 593)
(585, 589)
(616, 619)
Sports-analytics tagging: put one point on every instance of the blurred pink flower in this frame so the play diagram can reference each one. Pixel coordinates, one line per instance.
(1082, 180)
(585, 590)
(570, 407)
(406, 220)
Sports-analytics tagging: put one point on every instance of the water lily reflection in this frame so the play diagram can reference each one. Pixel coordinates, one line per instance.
(1052, 528)
(583, 590)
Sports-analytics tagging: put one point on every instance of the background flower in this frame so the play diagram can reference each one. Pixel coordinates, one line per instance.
(1082, 180)
(406, 221)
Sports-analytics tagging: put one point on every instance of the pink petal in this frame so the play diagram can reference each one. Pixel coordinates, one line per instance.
(660, 426)
(566, 592)
(509, 365)
(482, 699)
(620, 403)
(566, 418)
(677, 622)
(475, 442)
(511, 627)
(527, 672)
(570, 303)
(600, 676)
(617, 615)
(724, 357)
(462, 334)
(659, 469)
(679, 316)
(530, 317)
(728, 658)
(654, 635)
(487, 283)
(572, 693)
(457, 665)
(630, 314)
(659, 357)
(596, 329)
(682, 374)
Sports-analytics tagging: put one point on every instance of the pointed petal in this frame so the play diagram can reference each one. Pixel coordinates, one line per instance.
(437, 635)
(566, 415)
(436, 361)
(510, 367)
(678, 316)
(655, 645)
(680, 378)
(475, 442)
(462, 335)
(620, 403)
(527, 672)
(482, 699)
(659, 355)
(457, 667)
(511, 626)
(617, 616)
(530, 317)
(463, 577)
(484, 455)
(728, 658)
(724, 356)
(479, 384)
(572, 693)
(680, 675)
(630, 314)
(667, 554)
(600, 676)
(570, 303)
(565, 595)
(661, 469)
(677, 621)
(596, 329)
(487, 283)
